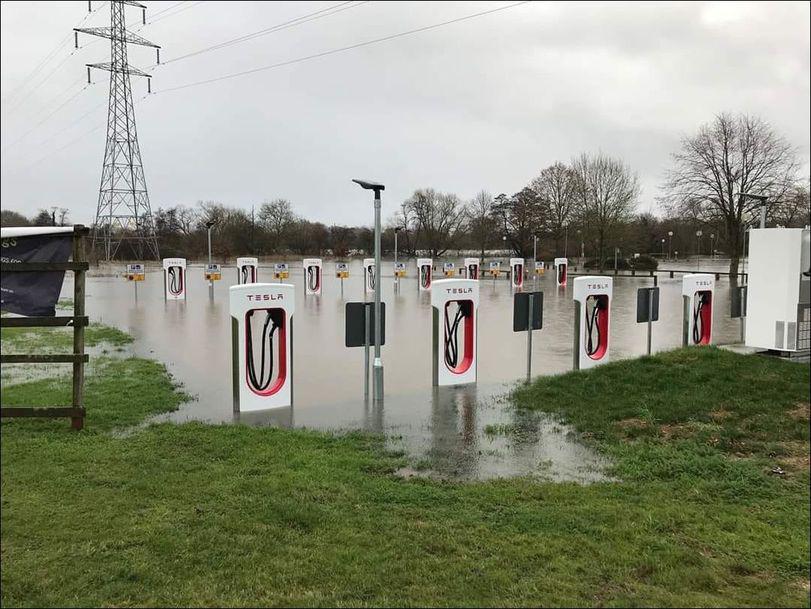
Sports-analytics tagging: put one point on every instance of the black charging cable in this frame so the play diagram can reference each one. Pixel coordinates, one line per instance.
(452, 335)
(312, 278)
(370, 276)
(424, 274)
(593, 338)
(175, 280)
(260, 383)
(698, 321)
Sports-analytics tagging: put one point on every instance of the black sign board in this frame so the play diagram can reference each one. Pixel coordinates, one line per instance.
(356, 323)
(737, 302)
(34, 293)
(643, 304)
(521, 311)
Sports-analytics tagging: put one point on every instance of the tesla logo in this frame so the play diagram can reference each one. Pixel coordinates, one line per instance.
(704, 283)
(597, 286)
(458, 290)
(265, 296)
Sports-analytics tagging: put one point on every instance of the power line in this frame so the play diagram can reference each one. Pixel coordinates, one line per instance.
(169, 8)
(343, 49)
(43, 62)
(49, 115)
(320, 14)
(185, 8)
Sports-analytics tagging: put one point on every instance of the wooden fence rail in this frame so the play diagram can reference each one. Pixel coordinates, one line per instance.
(78, 321)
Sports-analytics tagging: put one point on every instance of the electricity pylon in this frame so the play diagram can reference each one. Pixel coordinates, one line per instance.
(123, 213)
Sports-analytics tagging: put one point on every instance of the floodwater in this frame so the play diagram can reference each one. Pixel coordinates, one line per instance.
(457, 432)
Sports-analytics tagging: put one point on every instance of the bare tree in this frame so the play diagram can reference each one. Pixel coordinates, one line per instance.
(556, 188)
(793, 210)
(730, 156)
(521, 217)
(480, 223)
(438, 218)
(605, 196)
(13, 218)
(277, 217)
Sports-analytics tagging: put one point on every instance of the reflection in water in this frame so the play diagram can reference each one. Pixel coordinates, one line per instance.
(463, 431)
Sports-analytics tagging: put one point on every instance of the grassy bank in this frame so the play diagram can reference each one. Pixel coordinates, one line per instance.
(232, 515)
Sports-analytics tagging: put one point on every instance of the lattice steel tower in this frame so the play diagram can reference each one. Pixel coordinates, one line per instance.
(123, 214)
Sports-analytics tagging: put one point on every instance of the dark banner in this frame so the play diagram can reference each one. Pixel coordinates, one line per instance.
(34, 294)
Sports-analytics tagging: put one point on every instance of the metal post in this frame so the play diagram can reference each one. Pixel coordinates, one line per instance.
(368, 333)
(396, 278)
(210, 281)
(534, 261)
(650, 318)
(615, 260)
(378, 363)
(763, 213)
(529, 337)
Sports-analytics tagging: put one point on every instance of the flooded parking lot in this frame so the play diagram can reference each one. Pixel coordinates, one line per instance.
(468, 432)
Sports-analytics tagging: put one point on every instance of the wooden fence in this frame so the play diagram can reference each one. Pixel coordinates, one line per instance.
(78, 265)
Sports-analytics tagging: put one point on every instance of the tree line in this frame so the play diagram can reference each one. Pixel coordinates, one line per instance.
(588, 206)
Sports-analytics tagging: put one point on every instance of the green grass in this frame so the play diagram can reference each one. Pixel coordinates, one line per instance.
(58, 340)
(232, 515)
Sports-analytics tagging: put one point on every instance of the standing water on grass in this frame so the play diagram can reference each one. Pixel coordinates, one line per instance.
(468, 432)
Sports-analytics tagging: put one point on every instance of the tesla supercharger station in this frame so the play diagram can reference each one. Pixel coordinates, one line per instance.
(561, 271)
(369, 277)
(262, 345)
(455, 304)
(313, 268)
(174, 278)
(247, 270)
(592, 317)
(779, 289)
(697, 292)
(424, 273)
(517, 272)
(472, 268)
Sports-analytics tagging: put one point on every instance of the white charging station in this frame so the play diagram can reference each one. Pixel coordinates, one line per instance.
(778, 296)
(561, 271)
(472, 268)
(262, 345)
(313, 276)
(174, 278)
(517, 272)
(369, 276)
(592, 320)
(449, 270)
(425, 271)
(697, 295)
(247, 270)
(455, 304)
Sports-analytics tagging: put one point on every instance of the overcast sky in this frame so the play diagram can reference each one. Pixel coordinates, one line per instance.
(485, 103)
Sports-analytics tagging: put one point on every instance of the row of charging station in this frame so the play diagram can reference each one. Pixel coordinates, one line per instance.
(262, 330)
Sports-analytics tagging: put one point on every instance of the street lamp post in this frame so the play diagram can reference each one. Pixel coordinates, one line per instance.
(377, 366)
(669, 243)
(698, 247)
(534, 259)
(565, 240)
(209, 225)
(712, 245)
(663, 247)
(396, 278)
